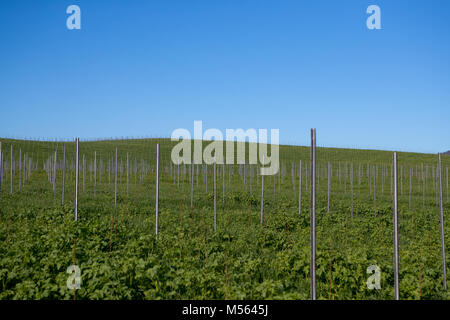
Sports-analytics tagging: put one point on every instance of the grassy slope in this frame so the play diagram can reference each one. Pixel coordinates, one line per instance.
(120, 257)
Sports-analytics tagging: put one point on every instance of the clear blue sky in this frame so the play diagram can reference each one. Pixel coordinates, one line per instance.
(145, 68)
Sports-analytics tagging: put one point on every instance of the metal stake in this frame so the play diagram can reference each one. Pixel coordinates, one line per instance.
(313, 214)
(395, 191)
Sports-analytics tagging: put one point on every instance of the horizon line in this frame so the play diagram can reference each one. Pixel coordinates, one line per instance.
(31, 139)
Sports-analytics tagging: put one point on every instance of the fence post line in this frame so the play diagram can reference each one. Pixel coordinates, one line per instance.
(157, 189)
(76, 177)
(313, 215)
(444, 270)
(63, 174)
(395, 193)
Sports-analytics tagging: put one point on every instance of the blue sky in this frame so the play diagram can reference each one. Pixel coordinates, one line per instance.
(146, 68)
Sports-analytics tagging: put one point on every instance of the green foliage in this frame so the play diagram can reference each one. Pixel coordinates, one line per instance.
(121, 258)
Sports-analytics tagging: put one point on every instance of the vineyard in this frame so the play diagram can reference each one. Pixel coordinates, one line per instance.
(248, 250)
